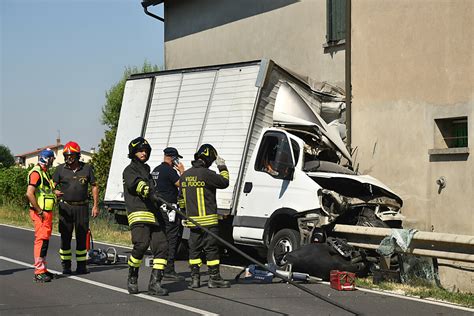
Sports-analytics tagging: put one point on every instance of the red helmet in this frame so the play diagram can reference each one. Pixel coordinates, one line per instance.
(71, 148)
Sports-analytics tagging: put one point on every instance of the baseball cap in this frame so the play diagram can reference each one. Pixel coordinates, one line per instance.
(172, 152)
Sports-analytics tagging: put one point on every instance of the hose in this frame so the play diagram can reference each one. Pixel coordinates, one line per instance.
(255, 261)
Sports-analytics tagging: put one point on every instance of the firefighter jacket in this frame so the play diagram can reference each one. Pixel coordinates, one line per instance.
(44, 193)
(198, 193)
(137, 183)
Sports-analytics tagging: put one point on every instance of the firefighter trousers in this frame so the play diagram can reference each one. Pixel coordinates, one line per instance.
(43, 229)
(199, 242)
(149, 235)
(73, 218)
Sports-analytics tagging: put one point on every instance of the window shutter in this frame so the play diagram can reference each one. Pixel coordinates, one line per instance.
(336, 20)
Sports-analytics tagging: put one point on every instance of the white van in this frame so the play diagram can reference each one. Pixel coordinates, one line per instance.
(291, 175)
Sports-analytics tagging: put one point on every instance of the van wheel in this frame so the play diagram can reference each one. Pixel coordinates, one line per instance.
(283, 242)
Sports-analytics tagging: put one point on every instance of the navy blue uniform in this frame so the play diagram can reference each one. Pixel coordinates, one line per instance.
(165, 178)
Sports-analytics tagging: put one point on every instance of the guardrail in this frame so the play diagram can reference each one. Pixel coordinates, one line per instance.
(430, 244)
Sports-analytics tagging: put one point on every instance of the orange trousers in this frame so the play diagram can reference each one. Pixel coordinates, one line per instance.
(43, 229)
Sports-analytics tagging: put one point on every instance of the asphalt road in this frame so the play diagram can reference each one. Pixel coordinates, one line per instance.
(103, 291)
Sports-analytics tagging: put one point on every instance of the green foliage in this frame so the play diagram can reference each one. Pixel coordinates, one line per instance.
(6, 157)
(110, 117)
(102, 159)
(13, 183)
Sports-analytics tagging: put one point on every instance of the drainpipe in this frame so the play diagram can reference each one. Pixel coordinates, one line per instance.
(147, 3)
(348, 82)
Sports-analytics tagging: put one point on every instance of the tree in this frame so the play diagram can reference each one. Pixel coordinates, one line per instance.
(6, 157)
(110, 118)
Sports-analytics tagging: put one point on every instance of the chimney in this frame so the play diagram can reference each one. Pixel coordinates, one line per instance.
(58, 138)
(92, 150)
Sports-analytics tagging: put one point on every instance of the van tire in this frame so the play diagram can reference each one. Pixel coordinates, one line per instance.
(283, 242)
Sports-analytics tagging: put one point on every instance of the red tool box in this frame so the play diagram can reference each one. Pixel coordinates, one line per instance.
(342, 280)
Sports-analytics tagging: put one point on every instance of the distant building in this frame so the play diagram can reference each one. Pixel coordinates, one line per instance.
(31, 157)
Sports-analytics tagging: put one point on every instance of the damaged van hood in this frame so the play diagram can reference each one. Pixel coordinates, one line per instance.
(353, 185)
(291, 110)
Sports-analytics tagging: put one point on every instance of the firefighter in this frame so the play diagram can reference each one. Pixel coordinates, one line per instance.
(73, 179)
(40, 194)
(198, 196)
(146, 222)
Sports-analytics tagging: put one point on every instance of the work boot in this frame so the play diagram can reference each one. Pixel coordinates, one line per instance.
(155, 288)
(132, 281)
(66, 267)
(82, 267)
(195, 277)
(215, 279)
(170, 273)
(42, 278)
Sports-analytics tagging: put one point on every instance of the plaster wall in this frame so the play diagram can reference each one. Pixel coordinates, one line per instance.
(414, 67)
(292, 33)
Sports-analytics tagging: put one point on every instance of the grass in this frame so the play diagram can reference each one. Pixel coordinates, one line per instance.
(106, 230)
(424, 291)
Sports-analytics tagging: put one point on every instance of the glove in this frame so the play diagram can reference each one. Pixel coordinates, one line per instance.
(220, 161)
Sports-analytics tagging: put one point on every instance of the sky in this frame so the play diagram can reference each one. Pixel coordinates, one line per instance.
(58, 59)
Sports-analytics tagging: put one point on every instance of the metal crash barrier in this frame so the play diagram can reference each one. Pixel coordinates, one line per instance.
(429, 244)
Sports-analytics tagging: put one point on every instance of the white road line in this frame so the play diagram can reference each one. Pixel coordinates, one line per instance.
(120, 290)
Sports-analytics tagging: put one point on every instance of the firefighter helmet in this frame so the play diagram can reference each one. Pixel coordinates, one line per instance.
(206, 153)
(72, 148)
(138, 144)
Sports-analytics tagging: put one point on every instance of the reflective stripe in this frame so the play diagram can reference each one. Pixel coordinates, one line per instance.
(160, 261)
(195, 261)
(81, 255)
(134, 262)
(200, 202)
(225, 174)
(207, 220)
(142, 189)
(182, 201)
(159, 266)
(213, 262)
(65, 255)
(141, 216)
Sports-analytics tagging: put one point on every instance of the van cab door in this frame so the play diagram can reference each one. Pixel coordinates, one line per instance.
(267, 182)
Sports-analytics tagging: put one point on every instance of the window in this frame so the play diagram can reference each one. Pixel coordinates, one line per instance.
(336, 21)
(274, 155)
(451, 132)
(451, 136)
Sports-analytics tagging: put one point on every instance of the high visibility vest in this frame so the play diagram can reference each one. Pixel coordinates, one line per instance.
(44, 193)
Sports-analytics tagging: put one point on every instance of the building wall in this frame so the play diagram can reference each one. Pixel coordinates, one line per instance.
(412, 62)
(290, 32)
